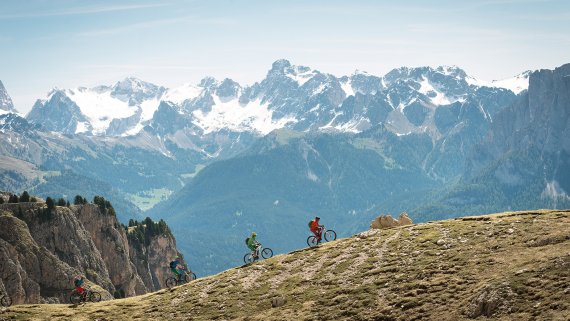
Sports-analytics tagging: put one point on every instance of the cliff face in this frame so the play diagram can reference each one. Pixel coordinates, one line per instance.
(111, 241)
(538, 120)
(42, 251)
(61, 233)
(29, 272)
(152, 260)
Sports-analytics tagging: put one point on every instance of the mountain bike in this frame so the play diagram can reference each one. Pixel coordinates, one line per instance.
(185, 277)
(88, 295)
(5, 300)
(254, 255)
(329, 235)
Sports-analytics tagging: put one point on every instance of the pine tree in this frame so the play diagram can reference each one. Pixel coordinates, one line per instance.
(33, 199)
(25, 197)
(50, 204)
(61, 202)
(13, 198)
(1, 200)
(78, 200)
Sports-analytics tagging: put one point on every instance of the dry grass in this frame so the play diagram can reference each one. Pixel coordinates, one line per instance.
(509, 266)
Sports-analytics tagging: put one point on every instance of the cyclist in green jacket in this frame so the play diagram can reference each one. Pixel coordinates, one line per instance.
(176, 267)
(252, 244)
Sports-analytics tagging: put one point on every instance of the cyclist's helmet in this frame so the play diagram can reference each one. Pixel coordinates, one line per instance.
(253, 234)
(317, 218)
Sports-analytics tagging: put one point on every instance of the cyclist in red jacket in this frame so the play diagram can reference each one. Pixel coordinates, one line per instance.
(316, 228)
(78, 282)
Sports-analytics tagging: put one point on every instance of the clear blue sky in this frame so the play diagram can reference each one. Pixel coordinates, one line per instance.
(70, 43)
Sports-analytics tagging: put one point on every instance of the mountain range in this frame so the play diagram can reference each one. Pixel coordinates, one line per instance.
(220, 158)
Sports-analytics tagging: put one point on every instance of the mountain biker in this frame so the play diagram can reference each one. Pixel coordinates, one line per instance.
(176, 267)
(78, 282)
(316, 228)
(252, 244)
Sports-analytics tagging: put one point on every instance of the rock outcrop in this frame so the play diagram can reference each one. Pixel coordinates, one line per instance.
(42, 250)
(387, 221)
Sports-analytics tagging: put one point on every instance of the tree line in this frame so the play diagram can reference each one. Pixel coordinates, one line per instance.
(142, 232)
(23, 198)
(104, 205)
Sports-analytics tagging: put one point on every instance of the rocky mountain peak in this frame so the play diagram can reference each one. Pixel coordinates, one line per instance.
(451, 71)
(208, 82)
(279, 66)
(299, 74)
(6, 103)
(13, 122)
(133, 84)
(228, 88)
(135, 90)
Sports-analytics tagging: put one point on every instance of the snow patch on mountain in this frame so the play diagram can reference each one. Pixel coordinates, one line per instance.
(148, 107)
(436, 96)
(82, 127)
(347, 87)
(232, 115)
(100, 108)
(300, 74)
(515, 84)
(179, 94)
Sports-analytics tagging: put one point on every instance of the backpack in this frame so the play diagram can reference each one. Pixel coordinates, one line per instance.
(246, 241)
(77, 282)
(173, 264)
(310, 224)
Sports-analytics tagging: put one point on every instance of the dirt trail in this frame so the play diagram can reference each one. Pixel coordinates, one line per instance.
(380, 253)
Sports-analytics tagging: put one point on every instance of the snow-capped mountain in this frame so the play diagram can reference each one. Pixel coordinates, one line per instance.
(294, 97)
(184, 128)
(6, 104)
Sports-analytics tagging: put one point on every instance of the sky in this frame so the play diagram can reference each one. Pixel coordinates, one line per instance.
(72, 43)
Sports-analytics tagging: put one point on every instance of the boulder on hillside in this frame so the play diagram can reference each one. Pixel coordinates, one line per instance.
(387, 221)
(490, 300)
(404, 219)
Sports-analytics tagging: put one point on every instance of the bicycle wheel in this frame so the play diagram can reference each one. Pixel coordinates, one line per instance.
(266, 253)
(312, 240)
(171, 282)
(75, 298)
(187, 277)
(95, 297)
(330, 235)
(248, 258)
(6, 301)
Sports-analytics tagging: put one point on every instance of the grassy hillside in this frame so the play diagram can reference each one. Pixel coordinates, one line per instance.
(508, 266)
